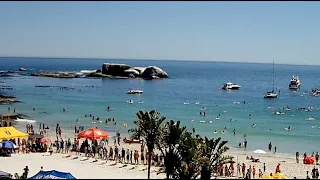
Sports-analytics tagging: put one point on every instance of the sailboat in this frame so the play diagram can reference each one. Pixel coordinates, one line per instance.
(271, 94)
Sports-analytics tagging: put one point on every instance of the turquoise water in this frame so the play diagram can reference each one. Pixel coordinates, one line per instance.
(188, 82)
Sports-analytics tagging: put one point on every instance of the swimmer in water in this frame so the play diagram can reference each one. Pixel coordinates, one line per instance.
(250, 116)
(253, 125)
(64, 109)
(77, 120)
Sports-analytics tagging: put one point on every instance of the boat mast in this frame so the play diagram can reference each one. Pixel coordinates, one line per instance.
(273, 78)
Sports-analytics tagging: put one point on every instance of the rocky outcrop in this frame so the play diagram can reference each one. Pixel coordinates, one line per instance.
(123, 70)
(115, 69)
(13, 116)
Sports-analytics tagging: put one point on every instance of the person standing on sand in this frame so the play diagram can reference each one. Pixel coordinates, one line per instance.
(51, 149)
(297, 157)
(62, 145)
(317, 158)
(128, 155)
(264, 167)
(253, 172)
(25, 173)
(131, 154)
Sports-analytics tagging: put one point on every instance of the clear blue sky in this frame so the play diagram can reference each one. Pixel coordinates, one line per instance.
(287, 32)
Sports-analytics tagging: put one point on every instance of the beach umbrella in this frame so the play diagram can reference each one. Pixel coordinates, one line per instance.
(4, 175)
(93, 133)
(7, 144)
(278, 176)
(259, 151)
(52, 175)
(45, 140)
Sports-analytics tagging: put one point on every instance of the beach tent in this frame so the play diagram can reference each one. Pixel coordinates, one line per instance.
(4, 175)
(52, 175)
(11, 133)
(309, 160)
(93, 133)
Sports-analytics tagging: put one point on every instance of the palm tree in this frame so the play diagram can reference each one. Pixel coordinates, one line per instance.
(171, 140)
(189, 154)
(212, 156)
(149, 127)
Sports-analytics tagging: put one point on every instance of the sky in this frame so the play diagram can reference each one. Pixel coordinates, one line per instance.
(286, 32)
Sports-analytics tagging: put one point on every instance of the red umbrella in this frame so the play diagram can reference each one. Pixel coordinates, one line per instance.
(93, 133)
(45, 140)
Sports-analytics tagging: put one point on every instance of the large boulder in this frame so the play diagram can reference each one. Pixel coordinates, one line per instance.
(132, 72)
(123, 70)
(153, 72)
(115, 69)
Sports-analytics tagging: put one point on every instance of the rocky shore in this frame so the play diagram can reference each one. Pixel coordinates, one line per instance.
(7, 99)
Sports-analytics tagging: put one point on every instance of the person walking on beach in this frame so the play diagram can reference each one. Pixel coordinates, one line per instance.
(317, 158)
(275, 149)
(264, 167)
(278, 168)
(253, 172)
(243, 170)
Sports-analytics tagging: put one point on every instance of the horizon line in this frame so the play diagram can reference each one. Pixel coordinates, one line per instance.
(144, 59)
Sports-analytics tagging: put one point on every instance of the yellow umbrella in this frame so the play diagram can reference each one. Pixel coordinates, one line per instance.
(11, 133)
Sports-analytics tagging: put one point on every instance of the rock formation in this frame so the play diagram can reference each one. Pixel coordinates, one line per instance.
(123, 70)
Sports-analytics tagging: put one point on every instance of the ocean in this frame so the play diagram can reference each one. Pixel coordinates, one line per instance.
(189, 81)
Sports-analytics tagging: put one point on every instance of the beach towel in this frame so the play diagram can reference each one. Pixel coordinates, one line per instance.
(123, 166)
(84, 159)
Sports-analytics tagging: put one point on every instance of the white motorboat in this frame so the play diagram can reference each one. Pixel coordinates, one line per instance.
(135, 91)
(271, 94)
(231, 86)
(295, 83)
(315, 92)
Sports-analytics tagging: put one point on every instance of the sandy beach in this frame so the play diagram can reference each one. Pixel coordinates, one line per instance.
(88, 169)
(103, 170)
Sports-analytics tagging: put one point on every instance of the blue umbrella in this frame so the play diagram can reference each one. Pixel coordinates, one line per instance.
(7, 144)
(52, 175)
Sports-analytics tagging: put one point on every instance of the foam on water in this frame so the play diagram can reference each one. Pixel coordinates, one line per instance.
(25, 120)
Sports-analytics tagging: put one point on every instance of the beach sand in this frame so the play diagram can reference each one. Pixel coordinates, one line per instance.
(89, 169)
